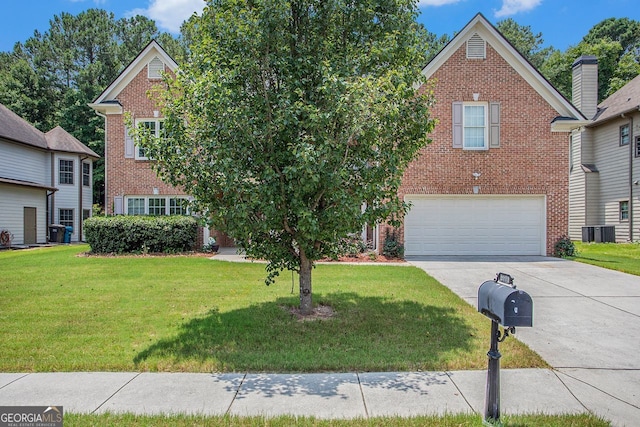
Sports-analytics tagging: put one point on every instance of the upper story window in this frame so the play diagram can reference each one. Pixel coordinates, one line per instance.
(624, 134)
(475, 126)
(637, 146)
(65, 172)
(86, 174)
(156, 128)
(155, 68)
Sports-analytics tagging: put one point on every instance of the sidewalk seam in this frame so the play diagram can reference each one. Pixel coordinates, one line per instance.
(460, 391)
(592, 386)
(364, 402)
(235, 394)
(116, 392)
(11, 382)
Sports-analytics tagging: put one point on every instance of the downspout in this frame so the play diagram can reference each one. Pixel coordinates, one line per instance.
(80, 201)
(104, 116)
(631, 147)
(53, 184)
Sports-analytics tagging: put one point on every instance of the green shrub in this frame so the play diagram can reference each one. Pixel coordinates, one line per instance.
(565, 248)
(392, 248)
(141, 234)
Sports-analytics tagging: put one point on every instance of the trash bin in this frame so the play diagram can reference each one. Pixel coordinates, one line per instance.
(56, 233)
(67, 234)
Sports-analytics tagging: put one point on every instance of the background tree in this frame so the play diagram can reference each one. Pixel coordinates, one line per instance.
(525, 41)
(51, 77)
(293, 123)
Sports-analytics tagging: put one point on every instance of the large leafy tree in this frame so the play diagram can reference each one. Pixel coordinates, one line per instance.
(293, 122)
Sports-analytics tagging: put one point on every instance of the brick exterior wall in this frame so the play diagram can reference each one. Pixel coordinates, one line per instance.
(531, 159)
(130, 176)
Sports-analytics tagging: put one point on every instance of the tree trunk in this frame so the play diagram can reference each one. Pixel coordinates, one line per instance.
(306, 304)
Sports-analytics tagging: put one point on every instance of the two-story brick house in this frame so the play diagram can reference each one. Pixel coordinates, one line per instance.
(494, 181)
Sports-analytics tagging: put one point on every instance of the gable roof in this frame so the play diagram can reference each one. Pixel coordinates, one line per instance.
(59, 139)
(17, 129)
(106, 102)
(624, 100)
(481, 26)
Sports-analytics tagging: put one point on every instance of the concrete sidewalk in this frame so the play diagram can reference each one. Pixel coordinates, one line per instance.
(348, 395)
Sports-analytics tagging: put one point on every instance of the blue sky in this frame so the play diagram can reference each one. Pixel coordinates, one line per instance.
(562, 22)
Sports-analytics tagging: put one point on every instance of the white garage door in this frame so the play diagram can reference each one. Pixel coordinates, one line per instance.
(475, 225)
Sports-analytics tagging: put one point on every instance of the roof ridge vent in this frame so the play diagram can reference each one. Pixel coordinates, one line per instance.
(476, 47)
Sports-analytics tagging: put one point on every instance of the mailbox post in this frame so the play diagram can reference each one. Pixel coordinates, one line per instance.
(505, 305)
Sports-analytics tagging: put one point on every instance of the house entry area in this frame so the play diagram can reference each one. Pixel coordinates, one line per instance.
(475, 225)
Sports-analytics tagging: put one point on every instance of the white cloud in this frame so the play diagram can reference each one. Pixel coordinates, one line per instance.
(170, 14)
(436, 2)
(511, 7)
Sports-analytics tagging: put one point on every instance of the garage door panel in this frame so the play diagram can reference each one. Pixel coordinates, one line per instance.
(477, 225)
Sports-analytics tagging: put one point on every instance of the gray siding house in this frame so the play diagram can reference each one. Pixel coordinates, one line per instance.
(604, 175)
(44, 179)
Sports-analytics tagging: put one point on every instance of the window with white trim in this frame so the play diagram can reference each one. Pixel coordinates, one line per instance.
(474, 121)
(65, 172)
(155, 127)
(624, 135)
(136, 206)
(65, 217)
(86, 174)
(177, 206)
(624, 210)
(156, 205)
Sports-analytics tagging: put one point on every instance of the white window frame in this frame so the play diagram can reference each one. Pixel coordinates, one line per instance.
(157, 132)
(485, 126)
(625, 136)
(623, 211)
(66, 221)
(86, 175)
(169, 206)
(67, 173)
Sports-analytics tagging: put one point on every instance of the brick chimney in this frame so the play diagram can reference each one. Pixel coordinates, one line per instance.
(585, 85)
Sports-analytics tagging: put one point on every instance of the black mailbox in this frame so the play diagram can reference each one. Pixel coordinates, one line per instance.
(499, 300)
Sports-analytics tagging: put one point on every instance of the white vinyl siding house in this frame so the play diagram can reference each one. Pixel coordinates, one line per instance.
(41, 175)
(604, 170)
(24, 180)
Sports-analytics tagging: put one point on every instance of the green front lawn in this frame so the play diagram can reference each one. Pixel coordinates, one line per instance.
(623, 257)
(62, 311)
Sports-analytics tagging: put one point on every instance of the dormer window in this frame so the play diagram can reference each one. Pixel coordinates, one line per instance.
(476, 47)
(155, 68)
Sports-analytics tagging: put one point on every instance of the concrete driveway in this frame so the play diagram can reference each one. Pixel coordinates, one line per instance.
(586, 322)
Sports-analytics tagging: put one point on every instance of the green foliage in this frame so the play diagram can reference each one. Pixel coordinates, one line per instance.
(141, 234)
(615, 256)
(564, 248)
(392, 248)
(290, 116)
(525, 41)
